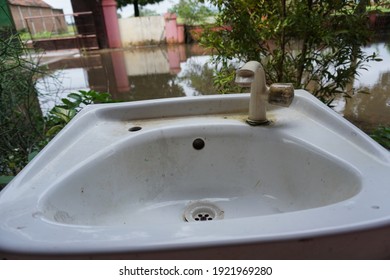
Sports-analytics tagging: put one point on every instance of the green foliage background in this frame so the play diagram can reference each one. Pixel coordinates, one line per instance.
(192, 12)
(21, 121)
(136, 3)
(24, 129)
(316, 45)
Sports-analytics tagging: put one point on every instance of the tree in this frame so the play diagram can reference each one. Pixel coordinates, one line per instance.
(25, 130)
(192, 11)
(136, 3)
(21, 120)
(316, 45)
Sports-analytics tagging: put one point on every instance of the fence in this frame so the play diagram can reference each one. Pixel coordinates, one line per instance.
(63, 31)
(60, 25)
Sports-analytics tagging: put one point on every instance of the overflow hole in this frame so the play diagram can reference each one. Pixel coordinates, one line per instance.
(198, 144)
(135, 128)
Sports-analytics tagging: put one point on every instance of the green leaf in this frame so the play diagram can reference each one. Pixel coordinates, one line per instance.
(382, 136)
(5, 179)
(32, 155)
(64, 114)
(69, 103)
(54, 130)
(75, 96)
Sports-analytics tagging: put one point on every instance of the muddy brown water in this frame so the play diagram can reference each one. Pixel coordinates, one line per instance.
(185, 70)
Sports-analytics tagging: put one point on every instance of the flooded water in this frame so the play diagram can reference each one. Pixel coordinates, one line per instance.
(129, 75)
(184, 70)
(368, 111)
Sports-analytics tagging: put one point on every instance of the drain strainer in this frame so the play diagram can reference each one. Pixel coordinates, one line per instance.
(198, 211)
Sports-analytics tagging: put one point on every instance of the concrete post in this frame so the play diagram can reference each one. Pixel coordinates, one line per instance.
(120, 72)
(111, 23)
(171, 28)
(180, 34)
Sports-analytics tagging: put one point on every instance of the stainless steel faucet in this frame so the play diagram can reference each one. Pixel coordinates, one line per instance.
(252, 75)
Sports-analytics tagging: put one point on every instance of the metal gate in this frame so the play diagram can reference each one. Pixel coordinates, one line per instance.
(63, 31)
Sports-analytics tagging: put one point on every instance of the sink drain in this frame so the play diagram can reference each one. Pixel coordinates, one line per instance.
(202, 211)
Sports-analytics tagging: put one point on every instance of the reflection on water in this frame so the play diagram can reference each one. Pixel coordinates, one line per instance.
(367, 111)
(128, 75)
(183, 70)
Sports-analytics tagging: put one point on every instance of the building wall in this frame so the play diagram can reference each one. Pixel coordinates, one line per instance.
(35, 25)
(142, 30)
(146, 62)
(151, 30)
(93, 6)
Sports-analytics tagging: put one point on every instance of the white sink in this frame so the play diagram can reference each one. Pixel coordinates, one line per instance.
(151, 175)
(189, 173)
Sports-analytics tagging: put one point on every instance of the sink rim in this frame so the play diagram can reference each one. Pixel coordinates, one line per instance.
(217, 233)
(322, 159)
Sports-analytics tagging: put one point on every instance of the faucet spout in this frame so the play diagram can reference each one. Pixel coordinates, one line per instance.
(252, 75)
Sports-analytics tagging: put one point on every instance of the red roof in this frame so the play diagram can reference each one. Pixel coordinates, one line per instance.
(30, 3)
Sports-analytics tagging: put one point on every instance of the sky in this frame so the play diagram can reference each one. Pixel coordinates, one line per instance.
(160, 8)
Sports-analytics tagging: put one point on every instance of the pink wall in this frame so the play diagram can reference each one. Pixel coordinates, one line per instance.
(111, 23)
(174, 32)
(176, 55)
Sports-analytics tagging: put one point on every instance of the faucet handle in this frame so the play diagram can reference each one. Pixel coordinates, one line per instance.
(281, 94)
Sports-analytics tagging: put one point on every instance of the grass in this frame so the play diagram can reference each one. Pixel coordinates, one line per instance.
(378, 9)
(71, 31)
(382, 136)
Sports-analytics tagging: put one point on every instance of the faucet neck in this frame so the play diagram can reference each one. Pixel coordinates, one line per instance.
(259, 95)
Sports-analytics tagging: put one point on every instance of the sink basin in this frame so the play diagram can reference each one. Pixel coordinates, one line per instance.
(155, 177)
(151, 175)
